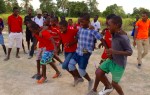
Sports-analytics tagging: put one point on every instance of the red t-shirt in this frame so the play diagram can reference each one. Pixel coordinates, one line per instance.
(108, 39)
(46, 40)
(41, 45)
(15, 23)
(55, 32)
(70, 27)
(69, 37)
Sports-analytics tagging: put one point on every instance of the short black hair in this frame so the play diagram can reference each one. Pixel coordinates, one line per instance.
(110, 16)
(117, 20)
(70, 19)
(33, 25)
(15, 8)
(85, 16)
(144, 12)
(63, 23)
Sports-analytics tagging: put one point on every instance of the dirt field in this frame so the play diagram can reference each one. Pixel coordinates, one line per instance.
(15, 77)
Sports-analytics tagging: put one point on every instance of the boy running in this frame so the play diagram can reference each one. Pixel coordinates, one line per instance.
(68, 37)
(84, 49)
(121, 48)
(50, 47)
(1, 36)
(107, 38)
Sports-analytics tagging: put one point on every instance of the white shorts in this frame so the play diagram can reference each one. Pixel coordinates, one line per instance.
(39, 53)
(15, 37)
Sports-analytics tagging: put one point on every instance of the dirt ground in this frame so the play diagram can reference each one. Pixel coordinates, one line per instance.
(15, 76)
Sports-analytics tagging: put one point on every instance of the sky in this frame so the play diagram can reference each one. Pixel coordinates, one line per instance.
(127, 5)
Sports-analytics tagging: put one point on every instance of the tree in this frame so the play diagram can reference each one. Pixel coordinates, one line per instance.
(74, 9)
(62, 4)
(114, 9)
(26, 4)
(10, 4)
(93, 7)
(47, 5)
(137, 12)
(2, 6)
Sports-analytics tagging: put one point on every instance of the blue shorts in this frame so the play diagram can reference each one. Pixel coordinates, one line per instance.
(68, 56)
(82, 60)
(1, 39)
(47, 57)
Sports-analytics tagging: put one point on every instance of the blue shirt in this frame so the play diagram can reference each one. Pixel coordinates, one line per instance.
(1, 25)
(86, 40)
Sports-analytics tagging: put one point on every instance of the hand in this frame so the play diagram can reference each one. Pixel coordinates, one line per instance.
(40, 34)
(134, 43)
(55, 51)
(67, 45)
(110, 51)
(91, 27)
(100, 45)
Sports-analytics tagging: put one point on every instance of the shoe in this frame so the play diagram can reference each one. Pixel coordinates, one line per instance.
(57, 75)
(30, 57)
(77, 81)
(92, 93)
(42, 80)
(106, 91)
(90, 85)
(139, 66)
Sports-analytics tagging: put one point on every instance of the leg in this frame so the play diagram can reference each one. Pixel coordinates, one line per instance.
(139, 48)
(54, 67)
(145, 45)
(28, 45)
(57, 58)
(44, 71)
(4, 48)
(38, 67)
(100, 76)
(32, 47)
(8, 56)
(117, 88)
(23, 47)
(17, 53)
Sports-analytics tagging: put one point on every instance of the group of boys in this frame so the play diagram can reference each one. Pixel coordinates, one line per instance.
(78, 41)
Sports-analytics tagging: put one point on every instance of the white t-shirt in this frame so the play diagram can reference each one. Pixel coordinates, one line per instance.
(96, 25)
(38, 21)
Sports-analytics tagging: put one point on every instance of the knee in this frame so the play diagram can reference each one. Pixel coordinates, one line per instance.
(82, 72)
(98, 72)
(64, 66)
(71, 65)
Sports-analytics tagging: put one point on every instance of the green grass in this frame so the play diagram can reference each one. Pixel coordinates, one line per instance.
(127, 22)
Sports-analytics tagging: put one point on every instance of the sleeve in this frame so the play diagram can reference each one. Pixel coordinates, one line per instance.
(97, 35)
(99, 25)
(125, 43)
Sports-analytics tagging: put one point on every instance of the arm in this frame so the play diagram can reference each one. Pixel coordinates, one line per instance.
(1, 28)
(71, 43)
(53, 42)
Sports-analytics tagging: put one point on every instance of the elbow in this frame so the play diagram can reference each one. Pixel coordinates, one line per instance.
(130, 53)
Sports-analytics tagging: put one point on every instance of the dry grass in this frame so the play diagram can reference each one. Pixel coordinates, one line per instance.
(15, 77)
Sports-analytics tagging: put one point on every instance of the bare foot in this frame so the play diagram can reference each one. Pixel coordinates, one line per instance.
(6, 59)
(17, 56)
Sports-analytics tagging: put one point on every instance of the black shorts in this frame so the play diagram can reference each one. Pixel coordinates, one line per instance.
(29, 35)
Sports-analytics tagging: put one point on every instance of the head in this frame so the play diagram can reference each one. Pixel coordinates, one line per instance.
(53, 21)
(63, 26)
(79, 20)
(109, 17)
(70, 22)
(15, 11)
(39, 13)
(29, 11)
(45, 14)
(115, 24)
(47, 22)
(85, 20)
(62, 18)
(137, 18)
(33, 27)
(95, 18)
(51, 14)
(144, 16)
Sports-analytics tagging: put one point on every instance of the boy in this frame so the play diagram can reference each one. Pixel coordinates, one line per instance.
(50, 47)
(70, 24)
(68, 37)
(107, 37)
(1, 36)
(84, 49)
(121, 48)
